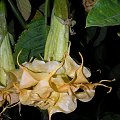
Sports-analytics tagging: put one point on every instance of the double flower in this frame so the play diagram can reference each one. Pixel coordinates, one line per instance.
(55, 86)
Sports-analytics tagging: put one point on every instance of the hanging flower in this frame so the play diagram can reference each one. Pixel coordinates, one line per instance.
(55, 86)
(8, 93)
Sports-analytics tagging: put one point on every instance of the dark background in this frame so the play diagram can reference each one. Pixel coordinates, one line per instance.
(100, 48)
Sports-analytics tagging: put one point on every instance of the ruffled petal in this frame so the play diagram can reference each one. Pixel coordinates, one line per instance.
(65, 103)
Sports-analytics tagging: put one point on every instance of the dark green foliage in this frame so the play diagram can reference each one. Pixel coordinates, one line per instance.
(104, 13)
(32, 41)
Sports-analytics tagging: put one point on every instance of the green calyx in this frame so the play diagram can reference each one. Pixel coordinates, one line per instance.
(58, 37)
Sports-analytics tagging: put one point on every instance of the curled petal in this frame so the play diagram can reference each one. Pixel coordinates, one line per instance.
(100, 83)
(71, 66)
(9, 96)
(59, 83)
(41, 66)
(42, 89)
(48, 102)
(2, 101)
(25, 97)
(65, 103)
(14, 76)
(14, 98)
(87, 93)
(86, 72)
(79, 75)
(27, 80)
(9, 93)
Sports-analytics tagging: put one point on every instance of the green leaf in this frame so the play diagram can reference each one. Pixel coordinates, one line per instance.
(104, 13)
(32, 41)
(24, 7)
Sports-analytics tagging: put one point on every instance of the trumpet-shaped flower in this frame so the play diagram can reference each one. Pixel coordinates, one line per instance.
(54, 85)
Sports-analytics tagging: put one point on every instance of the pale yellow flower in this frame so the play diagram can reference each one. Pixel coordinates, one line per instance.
(54, 85)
